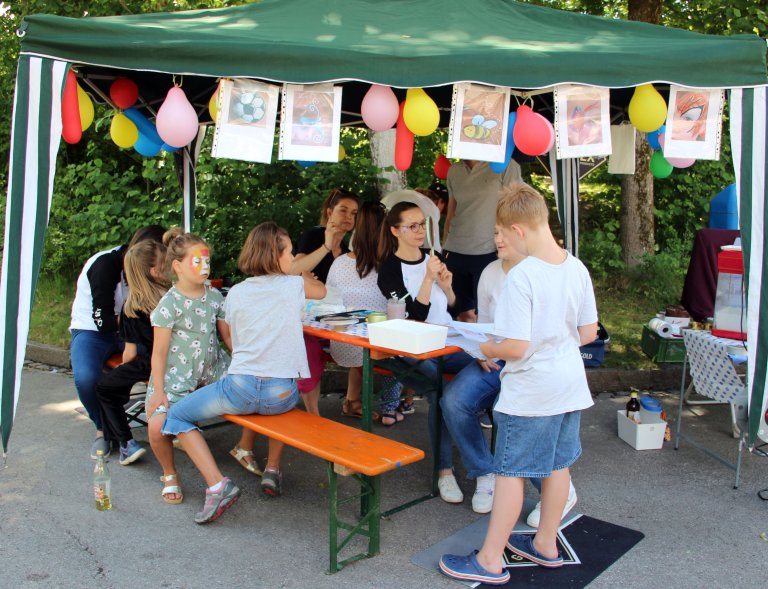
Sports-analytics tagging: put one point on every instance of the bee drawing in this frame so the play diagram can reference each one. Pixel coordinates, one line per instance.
(480, 127)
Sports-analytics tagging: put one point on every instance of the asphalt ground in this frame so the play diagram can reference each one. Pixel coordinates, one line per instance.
(700, 532)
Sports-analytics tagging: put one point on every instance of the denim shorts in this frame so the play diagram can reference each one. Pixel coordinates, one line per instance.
(533, 447)
(238, 394)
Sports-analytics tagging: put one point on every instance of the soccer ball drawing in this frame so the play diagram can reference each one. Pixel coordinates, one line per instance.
(249, 107)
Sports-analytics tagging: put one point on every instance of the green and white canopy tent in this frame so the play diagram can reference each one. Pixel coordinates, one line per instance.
(401, 43)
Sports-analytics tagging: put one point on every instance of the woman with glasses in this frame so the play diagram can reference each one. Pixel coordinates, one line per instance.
(410, 273)
(315, 252)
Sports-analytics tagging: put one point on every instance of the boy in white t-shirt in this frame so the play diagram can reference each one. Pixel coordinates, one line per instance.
(546, 311)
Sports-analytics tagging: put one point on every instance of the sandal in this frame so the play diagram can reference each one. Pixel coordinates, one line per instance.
(171, 489)
(390, 419)
(354, 408)
(240, 455)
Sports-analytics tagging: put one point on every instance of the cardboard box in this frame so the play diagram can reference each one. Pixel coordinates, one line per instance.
(641, 436)
(660, 349)
(407, 336)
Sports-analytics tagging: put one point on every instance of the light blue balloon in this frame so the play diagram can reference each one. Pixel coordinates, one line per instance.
(305, 164)
(146, 146)
(169, 148)
(499, 167)
(143, 124)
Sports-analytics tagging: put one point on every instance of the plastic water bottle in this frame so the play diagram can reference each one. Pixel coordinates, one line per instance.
(102, 483)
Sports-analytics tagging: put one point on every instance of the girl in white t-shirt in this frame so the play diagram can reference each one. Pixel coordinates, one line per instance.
(408, 273)
(268, 356)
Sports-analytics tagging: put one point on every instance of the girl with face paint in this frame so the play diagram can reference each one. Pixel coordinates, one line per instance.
(186, 354)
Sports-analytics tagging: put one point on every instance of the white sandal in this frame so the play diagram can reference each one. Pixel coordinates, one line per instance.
(239, 454)
(171, 489)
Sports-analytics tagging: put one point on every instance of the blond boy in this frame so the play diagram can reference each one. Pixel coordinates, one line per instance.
(545, 312)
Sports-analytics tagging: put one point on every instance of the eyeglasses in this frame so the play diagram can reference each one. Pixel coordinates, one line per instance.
(415, 227)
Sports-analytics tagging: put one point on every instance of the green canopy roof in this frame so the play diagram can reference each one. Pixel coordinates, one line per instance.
(403, 43)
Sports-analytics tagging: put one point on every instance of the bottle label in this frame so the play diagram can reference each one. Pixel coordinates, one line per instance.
(633, 415)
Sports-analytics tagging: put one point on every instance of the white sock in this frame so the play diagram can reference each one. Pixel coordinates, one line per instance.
(217, 487)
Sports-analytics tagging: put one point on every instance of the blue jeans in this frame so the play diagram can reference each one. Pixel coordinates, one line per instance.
(239, 394)
(535, 446)
(472, 391)
(88, 352)
(452, 363)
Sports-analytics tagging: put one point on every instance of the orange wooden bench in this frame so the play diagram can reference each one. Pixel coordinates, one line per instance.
(348, 451)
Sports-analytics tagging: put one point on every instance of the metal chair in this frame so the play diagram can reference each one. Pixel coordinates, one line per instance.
(713, 375)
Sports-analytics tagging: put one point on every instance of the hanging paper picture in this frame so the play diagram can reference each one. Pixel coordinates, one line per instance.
(245, 123)
(582, 121)
(693, 123)
(310, 121)
(479, 117)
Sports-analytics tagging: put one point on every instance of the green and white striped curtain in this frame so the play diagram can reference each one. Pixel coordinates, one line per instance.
(35, 137)
(565, 184)
(749, 143)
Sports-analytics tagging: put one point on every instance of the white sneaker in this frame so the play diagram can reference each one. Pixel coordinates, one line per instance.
(449, 489)
(482, 500)
(535, 515)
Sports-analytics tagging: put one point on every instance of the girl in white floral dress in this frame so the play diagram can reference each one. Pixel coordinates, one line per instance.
(186, 353)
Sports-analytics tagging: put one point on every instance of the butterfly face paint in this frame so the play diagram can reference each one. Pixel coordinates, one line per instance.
(199, 261)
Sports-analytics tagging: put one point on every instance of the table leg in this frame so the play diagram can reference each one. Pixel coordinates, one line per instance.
(367, 391)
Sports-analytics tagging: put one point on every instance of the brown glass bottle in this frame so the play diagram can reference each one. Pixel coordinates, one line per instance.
(633, 408)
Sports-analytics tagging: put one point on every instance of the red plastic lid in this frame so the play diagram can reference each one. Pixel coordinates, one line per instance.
(730, 262)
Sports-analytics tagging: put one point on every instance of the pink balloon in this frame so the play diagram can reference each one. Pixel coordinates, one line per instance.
(533, 134)
(677, 162)
(176, 120)
(380, 108)
(552, 138)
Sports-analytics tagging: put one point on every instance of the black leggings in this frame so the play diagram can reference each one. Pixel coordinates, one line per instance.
(113, 391)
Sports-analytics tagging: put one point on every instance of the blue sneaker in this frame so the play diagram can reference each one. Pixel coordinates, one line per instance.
(466, 568)
(522, 545)
(130, 452)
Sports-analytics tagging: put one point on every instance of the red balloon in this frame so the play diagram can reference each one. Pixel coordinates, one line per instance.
(124, 93)
(442, 164)
(71, 128)
(532, 132)
(403, 143)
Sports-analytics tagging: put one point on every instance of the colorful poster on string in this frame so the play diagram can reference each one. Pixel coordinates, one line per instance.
(245, 124)
(582, 121)
(310, 122)
(479, 117)
(694, 123)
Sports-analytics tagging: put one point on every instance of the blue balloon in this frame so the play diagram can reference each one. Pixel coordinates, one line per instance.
(143, 124)
(653, 138)
(499, 167)
(146, 146)
(169, 148)
(305, 164)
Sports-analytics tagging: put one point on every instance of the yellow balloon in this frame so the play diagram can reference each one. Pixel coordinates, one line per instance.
(342, 152)
(85, 104)
(420, 113)
(213, 105)
(647, 109)
(123, 132)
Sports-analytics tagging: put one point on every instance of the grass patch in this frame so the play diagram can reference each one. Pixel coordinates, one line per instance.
(52, 308)
(623, 302)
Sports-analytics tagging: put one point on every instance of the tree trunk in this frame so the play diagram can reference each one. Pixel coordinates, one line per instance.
(637, 227)
(636, 216)
(383, 156)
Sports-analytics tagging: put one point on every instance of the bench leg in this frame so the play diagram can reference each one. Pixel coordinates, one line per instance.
(367, 525)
